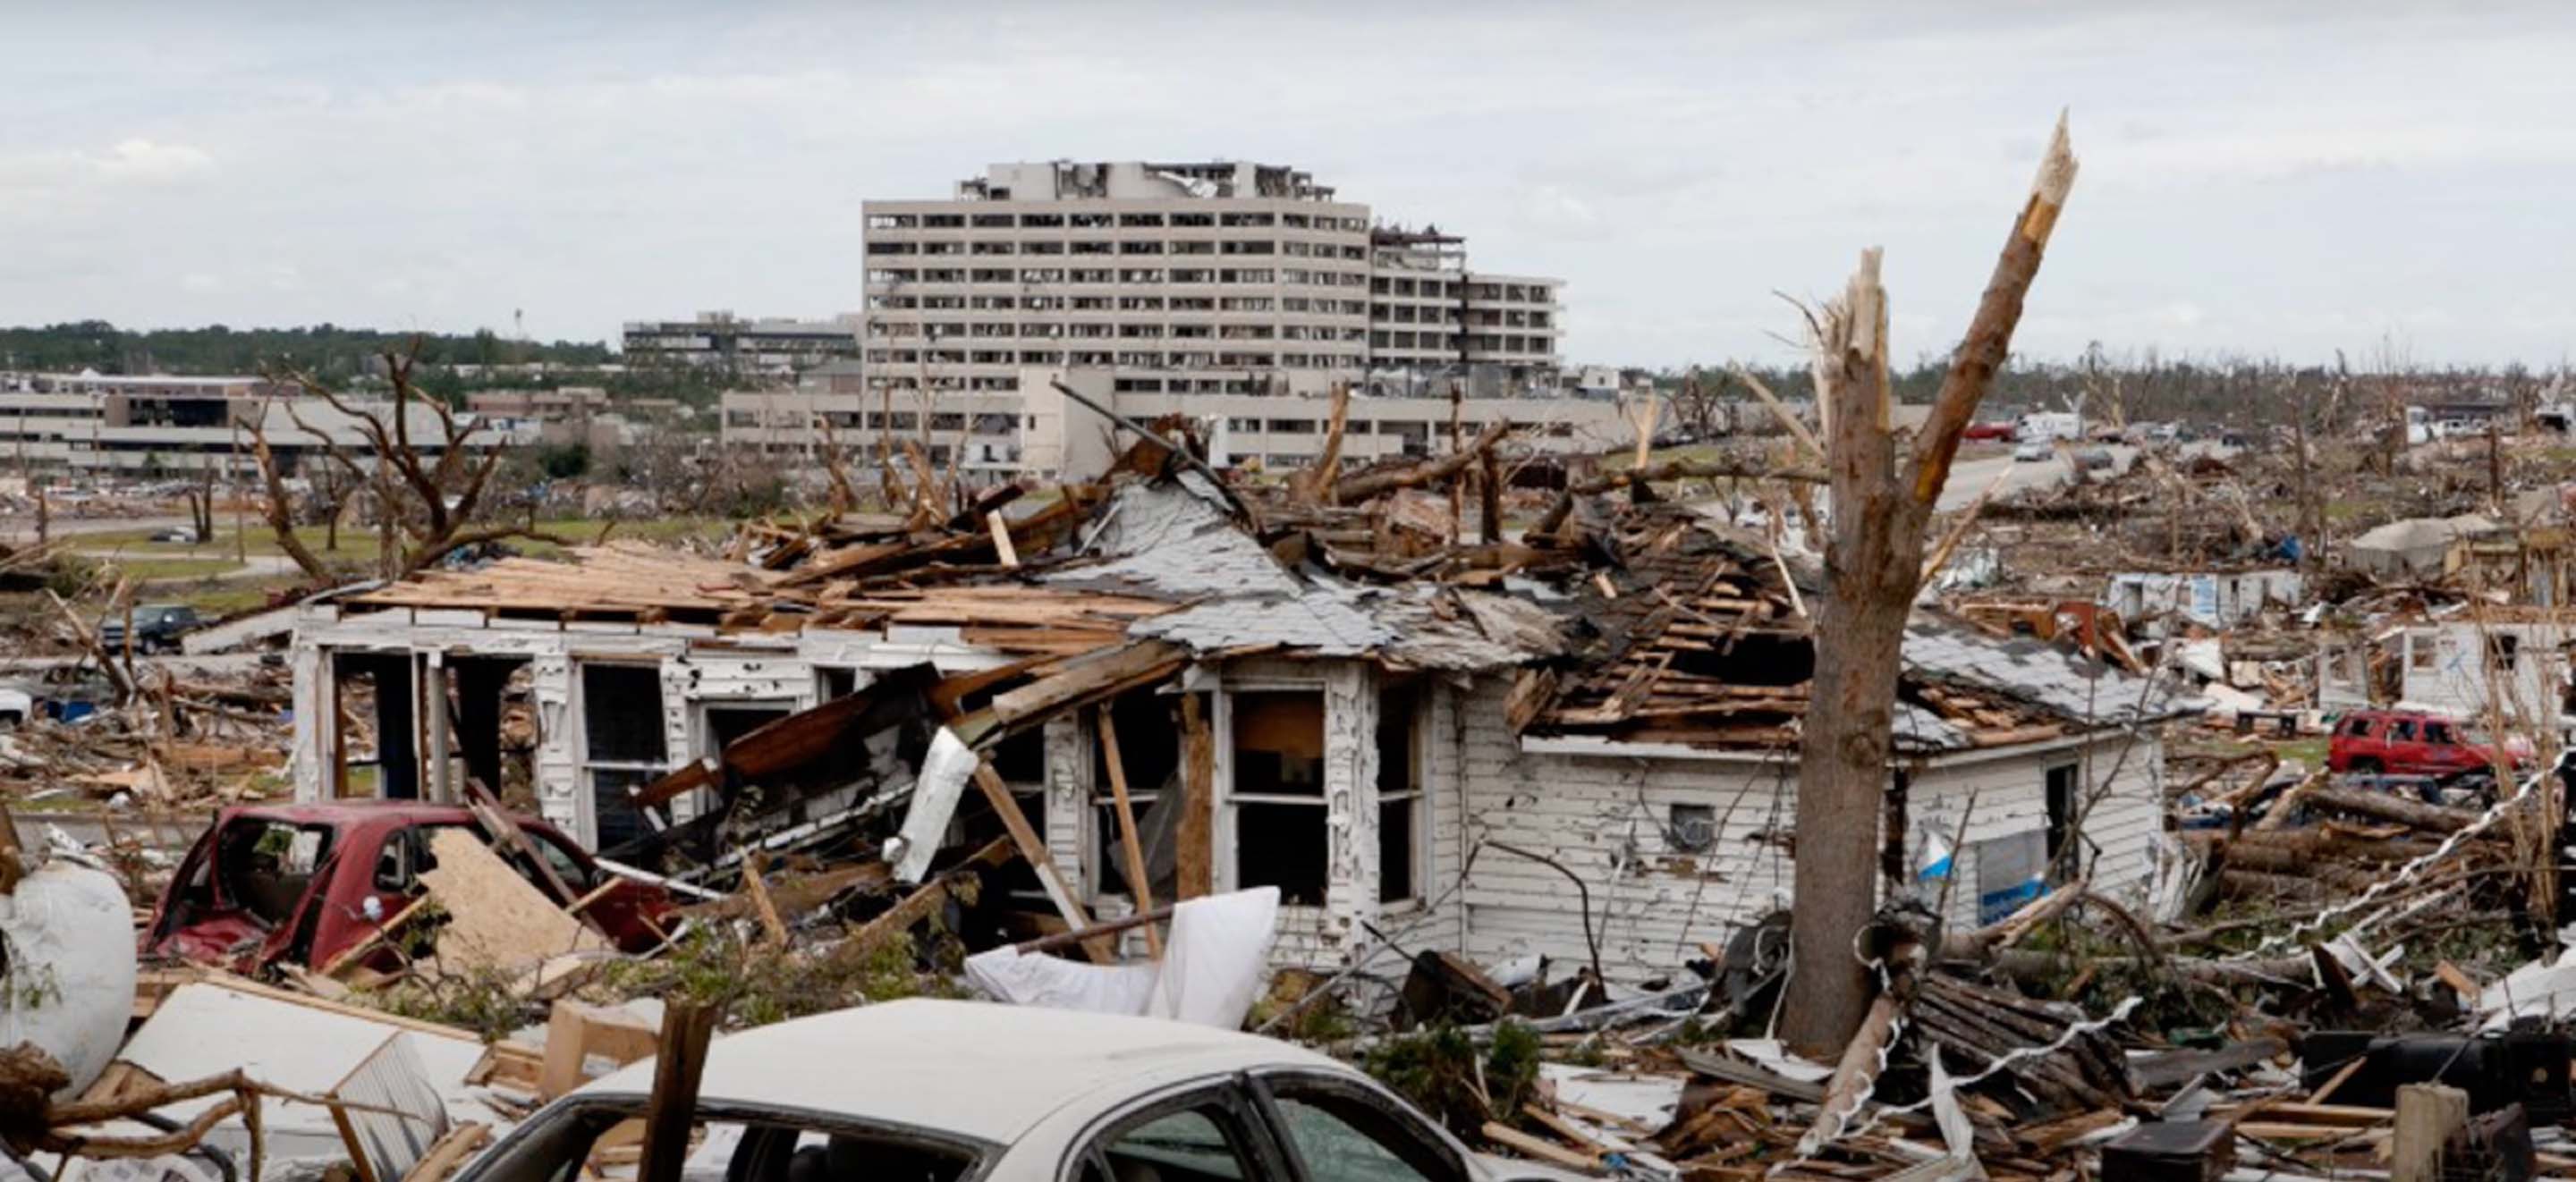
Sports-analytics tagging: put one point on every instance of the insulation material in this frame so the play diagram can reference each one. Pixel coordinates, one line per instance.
(1211, 972)
(70, 974)
(935, 793)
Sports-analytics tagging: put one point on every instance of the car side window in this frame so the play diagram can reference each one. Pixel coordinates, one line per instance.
(1199, 1140)
(2358, 728)
(393, 863)
(1338, 1134)
(2402, 732)
(2438, 732)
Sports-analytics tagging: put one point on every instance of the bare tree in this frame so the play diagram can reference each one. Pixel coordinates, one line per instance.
(1695, 403)
(428, 500)
(1873, 567)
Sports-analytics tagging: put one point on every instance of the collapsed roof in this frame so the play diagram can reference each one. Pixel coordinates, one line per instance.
(1701, 637)
(1655, 625)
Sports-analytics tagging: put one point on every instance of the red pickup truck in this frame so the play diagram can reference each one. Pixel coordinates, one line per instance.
(292, 883)
(2413, 743)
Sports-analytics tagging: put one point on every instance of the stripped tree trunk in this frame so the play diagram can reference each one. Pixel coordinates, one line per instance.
(1873, 567)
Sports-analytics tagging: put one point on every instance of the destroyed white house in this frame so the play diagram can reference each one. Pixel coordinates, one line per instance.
(2218, 599)
(2488, 663)
(1494, 749)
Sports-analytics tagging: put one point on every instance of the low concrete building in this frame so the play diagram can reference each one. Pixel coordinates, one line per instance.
(158, 425)
(764, 346)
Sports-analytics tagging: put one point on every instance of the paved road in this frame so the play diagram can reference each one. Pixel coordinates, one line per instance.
(1970, 477)
(17, 528)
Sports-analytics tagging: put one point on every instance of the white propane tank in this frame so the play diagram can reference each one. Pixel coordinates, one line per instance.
(68, 985)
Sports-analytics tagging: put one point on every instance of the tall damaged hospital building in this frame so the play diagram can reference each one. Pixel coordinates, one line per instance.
(1205, 288)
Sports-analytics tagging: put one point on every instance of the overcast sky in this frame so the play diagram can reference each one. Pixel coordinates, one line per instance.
(2274, 181)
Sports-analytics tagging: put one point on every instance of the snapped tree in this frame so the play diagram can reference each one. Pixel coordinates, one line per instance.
(1873, 568)
(428, 495)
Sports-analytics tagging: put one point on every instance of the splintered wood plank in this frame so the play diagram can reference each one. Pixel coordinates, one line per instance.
(496, 919)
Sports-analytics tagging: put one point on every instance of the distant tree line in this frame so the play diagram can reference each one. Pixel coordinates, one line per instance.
(327, 351)
(2148, 386)
(450, 366)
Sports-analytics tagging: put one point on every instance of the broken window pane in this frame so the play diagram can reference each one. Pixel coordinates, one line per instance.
(1395, 847)
(265, 866)
(615, 818)
(599, 1138)
(1341, 1140)
(1399, 784)
(1191, 1143)
(1281, 845)
(1279, 743)
(1396, 771)
(621, 712)
(1149, 742)
(2063, 807)
(726, 724)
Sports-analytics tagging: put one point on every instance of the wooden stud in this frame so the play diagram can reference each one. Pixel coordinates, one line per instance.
(1194, 861)
(1139, 883)
(673, 1109)
(2427, 1115)
(998, 794)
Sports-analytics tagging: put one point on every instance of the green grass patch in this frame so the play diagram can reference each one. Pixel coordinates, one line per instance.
(216, 599)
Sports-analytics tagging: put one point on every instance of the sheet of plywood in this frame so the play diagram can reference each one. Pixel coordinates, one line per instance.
(495, 918)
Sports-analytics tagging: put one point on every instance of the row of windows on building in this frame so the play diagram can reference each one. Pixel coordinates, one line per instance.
(1125, 303)
(1438, 314)
(1124, 359)
(1151, 330)
(1099, 220)
(1215, 247)
(1481, 342)
(1293, 276)
(998, 423)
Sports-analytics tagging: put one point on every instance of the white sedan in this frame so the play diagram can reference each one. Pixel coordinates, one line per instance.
(940, 1091)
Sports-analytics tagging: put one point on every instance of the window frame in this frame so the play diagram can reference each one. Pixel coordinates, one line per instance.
(498, 1161)
(1232, 1093)
(1230, 799)
(1426, 1134)
(587, 801)
(1417, 861)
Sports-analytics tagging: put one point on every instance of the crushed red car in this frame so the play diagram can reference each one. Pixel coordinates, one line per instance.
(292, 883)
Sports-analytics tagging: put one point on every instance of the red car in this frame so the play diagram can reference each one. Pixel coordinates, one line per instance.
(2411, 743)
(270, 883)
(1996, 431)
